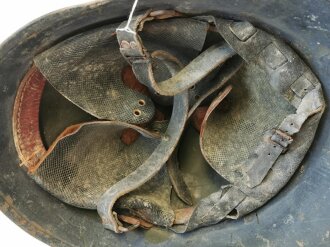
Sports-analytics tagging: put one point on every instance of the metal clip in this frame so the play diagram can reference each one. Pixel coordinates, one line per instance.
(281, 139)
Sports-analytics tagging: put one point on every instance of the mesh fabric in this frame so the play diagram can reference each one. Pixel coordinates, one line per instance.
(236, 127)
(86, 69)
(83, 165)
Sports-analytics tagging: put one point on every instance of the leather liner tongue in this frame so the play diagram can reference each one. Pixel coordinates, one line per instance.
(87, 69)
(169, 40)
(87, 159)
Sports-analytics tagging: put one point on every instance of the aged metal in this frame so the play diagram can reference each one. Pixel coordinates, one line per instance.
(287, 73)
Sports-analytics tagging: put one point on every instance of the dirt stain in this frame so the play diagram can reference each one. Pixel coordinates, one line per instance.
(157, 235)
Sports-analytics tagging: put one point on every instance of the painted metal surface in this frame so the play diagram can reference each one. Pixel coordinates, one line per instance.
(296, 217)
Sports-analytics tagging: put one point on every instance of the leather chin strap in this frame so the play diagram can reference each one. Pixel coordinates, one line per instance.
(176, 126)
(227, 71)
(287, 74)
(150, 167)
(276, 142)
(293, 79)
(132, 49)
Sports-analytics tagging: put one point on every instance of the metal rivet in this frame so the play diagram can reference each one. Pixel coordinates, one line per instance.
(133, 45)
(125, 45)
(137, 113)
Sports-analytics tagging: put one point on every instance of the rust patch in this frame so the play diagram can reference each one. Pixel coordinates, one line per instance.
(159, 116)
(134, 221)
(183, 215)
(165, 14)
(129, 136)
(130, 81)
(198, 117)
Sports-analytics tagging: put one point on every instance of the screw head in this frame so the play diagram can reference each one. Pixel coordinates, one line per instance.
(125, 45)
(133, 45)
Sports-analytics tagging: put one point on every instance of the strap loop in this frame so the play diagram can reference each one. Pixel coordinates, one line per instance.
(266, 153)
(199, 68)
(281, 138)
(133, 50)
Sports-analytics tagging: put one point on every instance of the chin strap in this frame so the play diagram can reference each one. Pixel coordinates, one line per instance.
(150, 167)
(132, 49)
(288, 75)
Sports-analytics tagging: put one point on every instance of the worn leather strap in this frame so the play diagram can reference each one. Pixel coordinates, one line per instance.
(177, 179)
(131, 45)
(288, 75)
(213, 209)
(26, 129)
(275, 144)
(150, 167)
(198, 69)
(217, 206)
(132, 48)
(227, 71)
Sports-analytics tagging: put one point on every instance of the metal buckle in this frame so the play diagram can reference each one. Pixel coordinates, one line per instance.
(282, 139)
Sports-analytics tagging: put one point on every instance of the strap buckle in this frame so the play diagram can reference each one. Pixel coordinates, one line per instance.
(282, 139)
